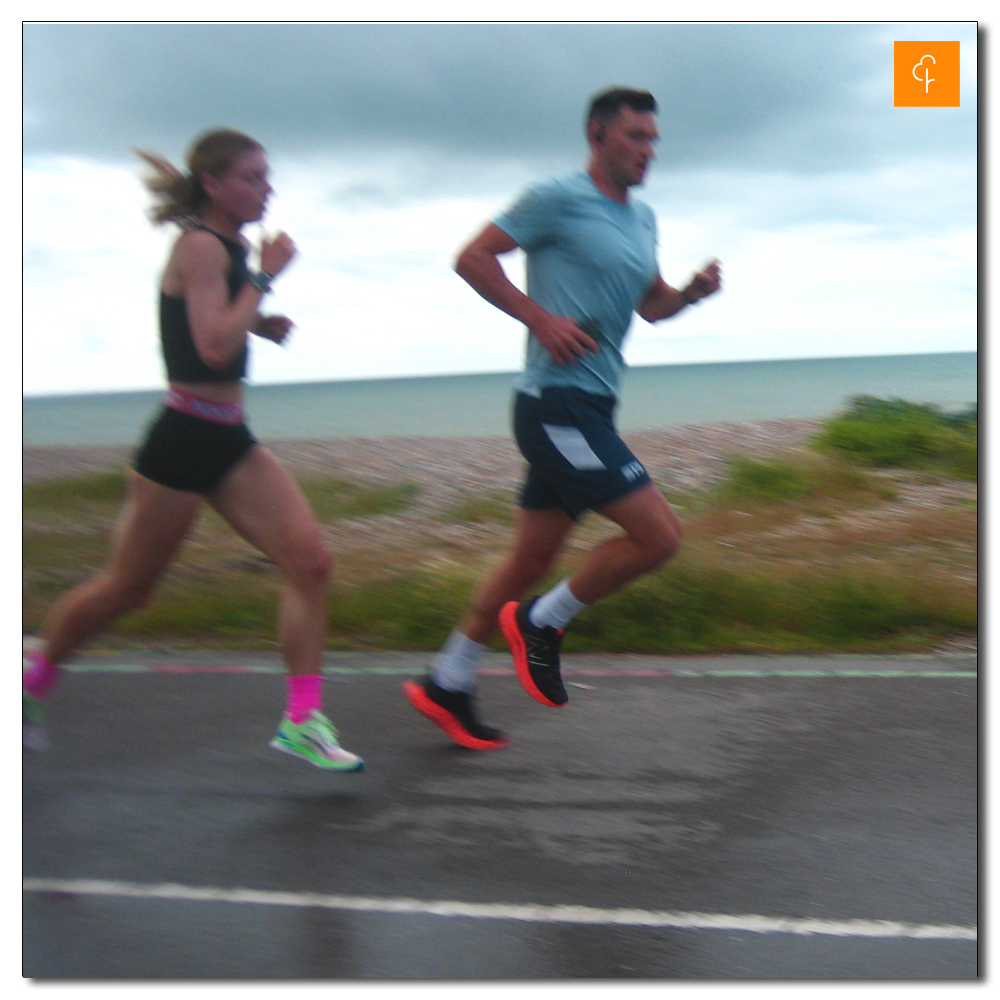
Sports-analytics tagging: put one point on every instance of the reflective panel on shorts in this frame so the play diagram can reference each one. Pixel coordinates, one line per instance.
(572, 445)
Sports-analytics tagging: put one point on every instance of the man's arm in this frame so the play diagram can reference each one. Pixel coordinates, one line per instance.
(478, 265)
(661, 301)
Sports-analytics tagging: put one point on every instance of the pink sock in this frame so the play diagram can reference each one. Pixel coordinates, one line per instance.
(305, 695)
(41, 677)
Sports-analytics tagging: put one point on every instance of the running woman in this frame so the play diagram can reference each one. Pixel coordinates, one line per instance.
(591, 263)
(199, 449)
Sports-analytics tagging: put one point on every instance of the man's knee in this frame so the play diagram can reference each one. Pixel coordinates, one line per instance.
(662, 546)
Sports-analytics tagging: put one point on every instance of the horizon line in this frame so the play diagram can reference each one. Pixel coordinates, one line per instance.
(498, 372)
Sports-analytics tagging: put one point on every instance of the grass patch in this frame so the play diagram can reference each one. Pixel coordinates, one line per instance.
(66, 531)
(816, 484)
(497, 507)
(890, 433)
(241, 613)
(692, 608)
(332, 499)
(688, 608)
(71, 493)
(415, 610)
(337, 500)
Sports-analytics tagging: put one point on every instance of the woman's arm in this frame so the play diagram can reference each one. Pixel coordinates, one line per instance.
(218, 326)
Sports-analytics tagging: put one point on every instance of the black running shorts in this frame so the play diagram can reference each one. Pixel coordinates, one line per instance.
(576, 459)
(190, 453)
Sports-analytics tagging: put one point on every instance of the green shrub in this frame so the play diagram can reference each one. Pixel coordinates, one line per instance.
(797, 478)
(890, 433)
(764, 480)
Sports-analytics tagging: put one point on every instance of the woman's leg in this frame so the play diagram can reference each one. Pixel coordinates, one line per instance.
(264, 504)
(151, 527)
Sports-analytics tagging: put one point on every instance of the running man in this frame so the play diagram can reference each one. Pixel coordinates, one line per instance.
(591, 263)
(199, 449)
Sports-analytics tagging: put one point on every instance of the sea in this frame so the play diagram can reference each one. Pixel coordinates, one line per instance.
(655, 396)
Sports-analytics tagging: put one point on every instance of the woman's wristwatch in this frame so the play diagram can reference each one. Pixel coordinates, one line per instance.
(261, 280)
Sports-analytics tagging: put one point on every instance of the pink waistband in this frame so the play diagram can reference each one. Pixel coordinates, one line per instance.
(195, 406)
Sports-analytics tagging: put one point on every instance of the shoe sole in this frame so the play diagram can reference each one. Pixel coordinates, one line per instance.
(329, 766)
(417, 697)
(511, 632)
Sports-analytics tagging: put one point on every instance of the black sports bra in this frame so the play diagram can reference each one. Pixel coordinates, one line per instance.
(183, 362)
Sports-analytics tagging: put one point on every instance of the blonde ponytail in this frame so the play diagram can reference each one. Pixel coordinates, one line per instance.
(179, 197)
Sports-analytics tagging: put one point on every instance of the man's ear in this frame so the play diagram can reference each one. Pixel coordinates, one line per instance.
(595, 132)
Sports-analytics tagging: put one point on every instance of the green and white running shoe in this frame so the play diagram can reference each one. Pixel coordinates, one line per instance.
(33, 735)
(315, 740)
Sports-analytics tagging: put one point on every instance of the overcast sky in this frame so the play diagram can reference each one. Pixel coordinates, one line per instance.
(845, 226)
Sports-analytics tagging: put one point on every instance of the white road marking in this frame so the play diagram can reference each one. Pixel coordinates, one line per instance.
(753, 923)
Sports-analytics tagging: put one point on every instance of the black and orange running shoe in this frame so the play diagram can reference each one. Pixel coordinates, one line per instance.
(453, 711)
(536, 653)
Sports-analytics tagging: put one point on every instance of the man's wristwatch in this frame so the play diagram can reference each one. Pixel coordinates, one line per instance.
(261, 280)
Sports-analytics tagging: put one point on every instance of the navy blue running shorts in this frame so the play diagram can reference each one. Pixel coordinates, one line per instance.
(184, 452)
(576, 459)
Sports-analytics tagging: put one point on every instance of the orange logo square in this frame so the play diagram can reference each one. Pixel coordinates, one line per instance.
(926, 75)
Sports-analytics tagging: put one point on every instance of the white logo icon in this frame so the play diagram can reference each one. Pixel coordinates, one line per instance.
(926, 79)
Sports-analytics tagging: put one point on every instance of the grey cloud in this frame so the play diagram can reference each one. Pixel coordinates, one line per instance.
(794, 97)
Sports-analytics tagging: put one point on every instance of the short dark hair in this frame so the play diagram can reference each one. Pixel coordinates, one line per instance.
(605, 105)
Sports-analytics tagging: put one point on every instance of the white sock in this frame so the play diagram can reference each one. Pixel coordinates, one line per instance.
(556, 608)
(454, 668)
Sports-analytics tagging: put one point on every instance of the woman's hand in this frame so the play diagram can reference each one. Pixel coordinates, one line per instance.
(274, 328)
(275, 254)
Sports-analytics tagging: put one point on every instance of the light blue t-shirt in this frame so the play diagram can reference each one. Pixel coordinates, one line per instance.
(589, 258)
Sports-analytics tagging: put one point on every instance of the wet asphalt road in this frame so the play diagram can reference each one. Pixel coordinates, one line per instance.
(725, 790)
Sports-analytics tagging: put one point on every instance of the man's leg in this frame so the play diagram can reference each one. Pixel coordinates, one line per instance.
(540, 537)
(445, 697)
(534, 630)
(652, 536)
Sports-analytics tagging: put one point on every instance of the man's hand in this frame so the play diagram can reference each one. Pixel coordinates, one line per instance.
(563, 339)
(478, 265)
(274, 328)
(704, 282)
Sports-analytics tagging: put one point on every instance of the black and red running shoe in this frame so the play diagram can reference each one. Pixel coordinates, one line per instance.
(536, 653)
(453, 711)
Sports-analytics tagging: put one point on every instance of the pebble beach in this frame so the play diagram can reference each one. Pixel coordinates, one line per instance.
(682, 457)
